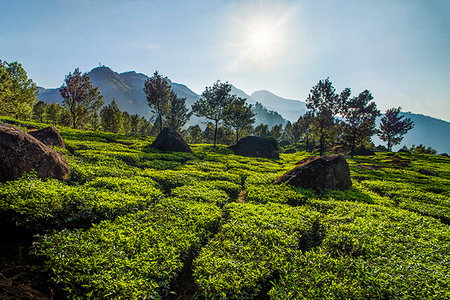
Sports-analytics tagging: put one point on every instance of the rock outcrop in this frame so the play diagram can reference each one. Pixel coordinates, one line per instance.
(21, 152)
(362, 151)
(252, 146)
(49, 136)
(170, 140)
(329, 172)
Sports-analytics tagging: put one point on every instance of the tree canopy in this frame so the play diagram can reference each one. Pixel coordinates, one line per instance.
(239, 115)
(158, 90)
(212, 104)
(393, 127)
(359, 114)
(80, 97)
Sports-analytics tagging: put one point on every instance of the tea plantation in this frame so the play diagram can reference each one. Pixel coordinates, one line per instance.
(131, 222)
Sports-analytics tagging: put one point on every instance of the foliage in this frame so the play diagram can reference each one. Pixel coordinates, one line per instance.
(80, 97)
(421, 149)
(238, 115)
(359, 114)
(111, 118)
(178, 114)
(17, 92)
(213, 103)
(136, 256)
(393, 127)
(158, 91)
(325, 103)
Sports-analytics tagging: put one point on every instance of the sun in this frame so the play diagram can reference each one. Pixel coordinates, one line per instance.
(261, 40)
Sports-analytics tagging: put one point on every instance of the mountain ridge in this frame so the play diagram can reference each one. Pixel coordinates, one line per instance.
(127, 89)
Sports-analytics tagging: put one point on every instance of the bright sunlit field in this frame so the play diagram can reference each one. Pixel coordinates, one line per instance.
(131, 222)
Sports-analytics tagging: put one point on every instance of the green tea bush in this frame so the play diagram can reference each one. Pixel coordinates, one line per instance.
(372, 252)
(278, 193)
(137, 185)
(255, 243)
(201, 192)
(43, 205)
(134, 257)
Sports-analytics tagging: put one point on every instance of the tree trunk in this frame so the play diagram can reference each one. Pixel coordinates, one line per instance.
(215, 133)
(237, 135)
(321, 141)
(389, 144)
(160, 123)
(353, 143)
(74, 122)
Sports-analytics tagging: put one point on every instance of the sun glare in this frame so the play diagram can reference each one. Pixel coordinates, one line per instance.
(260, 42)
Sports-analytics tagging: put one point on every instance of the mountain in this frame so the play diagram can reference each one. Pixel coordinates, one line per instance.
(288, 108)
(427, 131)
(128, 90)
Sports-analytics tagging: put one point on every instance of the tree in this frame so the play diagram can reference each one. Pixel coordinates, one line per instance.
(393, 127)
(17, 92)
(158, 91)
(301, 130)
(239, 115)
(136, 124)
(178, 114)
(325, 103)
(40, 110)
(54, 111)
(126, 122)
(111, 116)
(359, 115)
(262, 130)
(80, 97)
(275, 132)
(194, 134)
(212, 104)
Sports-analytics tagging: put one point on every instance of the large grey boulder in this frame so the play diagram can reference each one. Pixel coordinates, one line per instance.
(329, 172)
(49, 136)
(21, 152)
(253, 146)
(170, 140)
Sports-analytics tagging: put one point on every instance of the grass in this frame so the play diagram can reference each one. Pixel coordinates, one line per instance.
(129, 218)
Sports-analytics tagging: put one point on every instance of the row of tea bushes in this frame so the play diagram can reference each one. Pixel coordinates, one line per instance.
(255, 243)
(134, 257)
(40, 205)
(371, 252)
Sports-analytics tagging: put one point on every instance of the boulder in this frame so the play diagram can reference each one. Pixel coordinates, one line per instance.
(290, 150)
(253, 146)
(170, 140)
(329, 172)
(362, 151)
(427, 172)
(49, 136)
(21, 152)
(444, 154)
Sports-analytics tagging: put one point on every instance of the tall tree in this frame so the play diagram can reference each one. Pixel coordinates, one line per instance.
(359, 115)
(80, 97)
(136, 124)
(212, 104)
(40, 110)
(178, 114)
(112, 119)
(262, 130)
(54, 111)
(17, 92)
(301, 130)
(158, 90)
(325, 103)
(239, 115)
(126, 122)
(393, 127)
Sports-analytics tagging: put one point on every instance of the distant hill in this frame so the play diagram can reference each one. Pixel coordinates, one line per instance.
(427, 130)
(127, 89)
(288, 108)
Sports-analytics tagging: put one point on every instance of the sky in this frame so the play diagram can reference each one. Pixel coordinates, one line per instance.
(397, 49)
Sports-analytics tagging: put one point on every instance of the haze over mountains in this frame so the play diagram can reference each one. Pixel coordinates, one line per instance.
(127, 89)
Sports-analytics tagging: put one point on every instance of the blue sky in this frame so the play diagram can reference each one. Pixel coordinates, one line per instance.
(399, 50)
